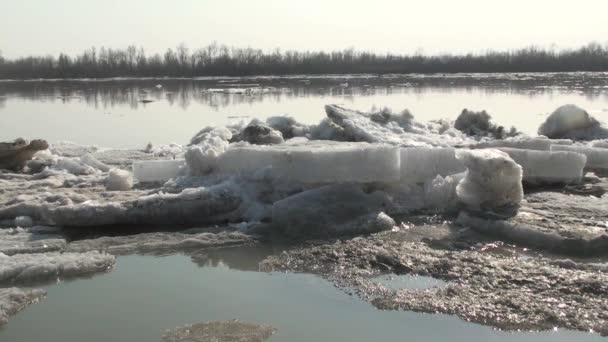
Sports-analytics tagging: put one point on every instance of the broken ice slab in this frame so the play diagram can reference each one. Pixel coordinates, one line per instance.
(548, 167)
(158, 170)
(597, 158)
(572, 225)
(419, 164)
(317, 161)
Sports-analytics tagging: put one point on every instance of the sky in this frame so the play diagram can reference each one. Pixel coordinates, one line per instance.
(43, 27)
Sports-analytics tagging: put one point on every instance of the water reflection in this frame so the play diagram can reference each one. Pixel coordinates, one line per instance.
(242, 258)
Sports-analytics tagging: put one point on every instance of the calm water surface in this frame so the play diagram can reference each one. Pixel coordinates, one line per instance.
(146, 295)
(110, 113)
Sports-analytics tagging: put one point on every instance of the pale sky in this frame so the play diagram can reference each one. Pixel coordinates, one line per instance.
(400, 26)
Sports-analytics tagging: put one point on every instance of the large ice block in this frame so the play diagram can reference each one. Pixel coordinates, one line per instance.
(317, 161)
(419, 164)
(547, 167)
(158, 170)
(492, 180)
(597, 158)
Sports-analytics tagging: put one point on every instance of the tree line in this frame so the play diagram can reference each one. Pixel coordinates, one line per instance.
(221, 60)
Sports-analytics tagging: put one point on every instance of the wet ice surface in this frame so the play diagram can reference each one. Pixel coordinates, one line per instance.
(110, 112)
(144, 296)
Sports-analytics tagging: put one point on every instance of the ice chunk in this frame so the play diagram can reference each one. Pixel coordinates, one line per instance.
(202, 157)
(349, 125)
(119, 180)
(288, 126)
(158, 170)
(546, 167)
(597, 158)
(317, 161)
(37, 268)
(419, 164)
(13, 300)
(259, 134)
(492, 180)
(170, 150)
(330, 210)
(572, 122)
(209, 132)
(480, 124)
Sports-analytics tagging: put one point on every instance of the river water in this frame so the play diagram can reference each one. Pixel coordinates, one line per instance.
(116, 112)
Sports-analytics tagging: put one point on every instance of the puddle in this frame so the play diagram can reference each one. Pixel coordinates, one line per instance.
(145, 295)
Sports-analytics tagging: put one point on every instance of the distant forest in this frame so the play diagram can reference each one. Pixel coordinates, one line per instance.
(221, 60)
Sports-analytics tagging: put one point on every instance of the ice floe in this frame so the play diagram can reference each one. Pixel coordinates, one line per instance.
(42, 267)
(13, 300)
